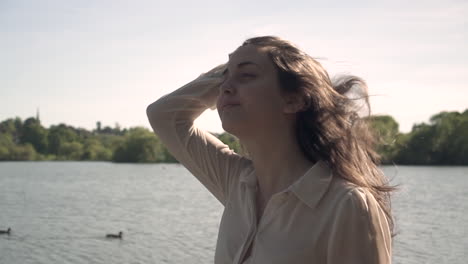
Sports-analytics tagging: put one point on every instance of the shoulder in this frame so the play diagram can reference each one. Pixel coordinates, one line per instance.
(347, 195)
(357, 198)
(356, 201)
(358, 228)
(345, 201)
(357, 207)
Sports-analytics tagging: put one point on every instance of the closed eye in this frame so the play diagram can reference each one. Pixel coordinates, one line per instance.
(240, 76)
(248, 75)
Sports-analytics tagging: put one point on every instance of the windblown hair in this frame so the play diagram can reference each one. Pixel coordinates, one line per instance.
(330, 127)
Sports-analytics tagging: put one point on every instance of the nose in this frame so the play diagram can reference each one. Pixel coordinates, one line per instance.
(226, 87)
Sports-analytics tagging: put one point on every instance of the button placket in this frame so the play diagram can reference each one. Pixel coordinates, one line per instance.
(272, 209)
(253, 226)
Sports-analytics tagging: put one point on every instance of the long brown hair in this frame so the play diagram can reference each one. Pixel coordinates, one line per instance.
(330, 128)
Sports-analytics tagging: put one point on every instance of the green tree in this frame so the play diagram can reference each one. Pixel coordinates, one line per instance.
(71, 151)
(34, 133)
(444, 124)
(443, 141)
(11, 151)
(231, 141)
(94, 150)
(166, 156)
(110, 142)
(449, 144)
(418, 149)
(140, 145)
(58, 135)
(12, 127)
(23, 152)
(6, 146)
(457, 149)
(386, 131)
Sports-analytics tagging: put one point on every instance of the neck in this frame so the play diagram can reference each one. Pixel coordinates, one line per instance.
(277, 159)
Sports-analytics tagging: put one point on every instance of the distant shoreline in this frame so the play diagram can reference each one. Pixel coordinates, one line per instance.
(441, 142)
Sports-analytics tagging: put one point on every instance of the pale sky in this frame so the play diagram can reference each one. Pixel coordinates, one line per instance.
(81, 62)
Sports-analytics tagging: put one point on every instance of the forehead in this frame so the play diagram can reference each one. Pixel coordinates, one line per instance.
(251, 53)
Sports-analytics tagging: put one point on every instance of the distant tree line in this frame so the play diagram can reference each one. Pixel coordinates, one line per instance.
(444, 141)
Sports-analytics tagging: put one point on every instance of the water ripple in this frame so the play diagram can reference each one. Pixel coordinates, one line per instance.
(61, 211)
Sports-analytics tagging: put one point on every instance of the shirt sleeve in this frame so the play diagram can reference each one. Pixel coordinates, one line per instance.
(206, 157)
(360, 231)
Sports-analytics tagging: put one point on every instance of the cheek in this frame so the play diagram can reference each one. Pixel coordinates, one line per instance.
(262, 100)
(218, 103)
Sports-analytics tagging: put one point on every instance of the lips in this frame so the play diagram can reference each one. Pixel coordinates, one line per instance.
(228, 104)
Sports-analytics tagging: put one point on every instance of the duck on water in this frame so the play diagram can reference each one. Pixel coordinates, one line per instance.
(119, 236)
(5, 232)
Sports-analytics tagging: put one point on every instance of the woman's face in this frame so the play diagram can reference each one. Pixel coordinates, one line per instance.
(250, 100)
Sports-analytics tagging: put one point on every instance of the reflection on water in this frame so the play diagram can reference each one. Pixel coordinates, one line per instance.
(60, 212)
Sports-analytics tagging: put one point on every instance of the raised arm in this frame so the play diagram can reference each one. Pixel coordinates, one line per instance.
(206, 157)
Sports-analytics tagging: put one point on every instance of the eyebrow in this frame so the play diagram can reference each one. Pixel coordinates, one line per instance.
(241, 64)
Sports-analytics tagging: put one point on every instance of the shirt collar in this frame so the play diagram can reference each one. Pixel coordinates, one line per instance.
(310, 188)
(313, 185)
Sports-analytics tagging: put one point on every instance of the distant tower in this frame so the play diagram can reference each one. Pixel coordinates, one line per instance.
(37, 115)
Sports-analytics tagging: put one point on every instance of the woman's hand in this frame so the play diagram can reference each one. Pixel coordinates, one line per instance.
(216, 72)
(214, 77)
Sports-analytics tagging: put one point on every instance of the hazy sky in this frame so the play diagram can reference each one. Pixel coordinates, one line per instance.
(86, 61)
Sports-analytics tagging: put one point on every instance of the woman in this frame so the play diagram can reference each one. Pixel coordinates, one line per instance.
(310, 190)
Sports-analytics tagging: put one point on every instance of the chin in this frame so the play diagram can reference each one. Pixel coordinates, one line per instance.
(233, 122)
(232, 128)
(228, 128)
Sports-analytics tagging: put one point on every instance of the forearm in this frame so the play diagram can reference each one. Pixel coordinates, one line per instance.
(204, 155)
(187, 102)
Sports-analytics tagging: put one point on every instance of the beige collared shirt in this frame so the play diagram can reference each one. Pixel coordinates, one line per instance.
(318, 219)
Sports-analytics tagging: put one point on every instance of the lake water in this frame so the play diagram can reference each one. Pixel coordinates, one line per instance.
(59, 213)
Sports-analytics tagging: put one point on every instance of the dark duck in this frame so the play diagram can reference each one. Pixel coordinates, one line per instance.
(5, 232)
(119, 236)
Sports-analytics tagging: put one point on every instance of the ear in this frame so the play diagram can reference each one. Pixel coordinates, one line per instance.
(293, 103)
